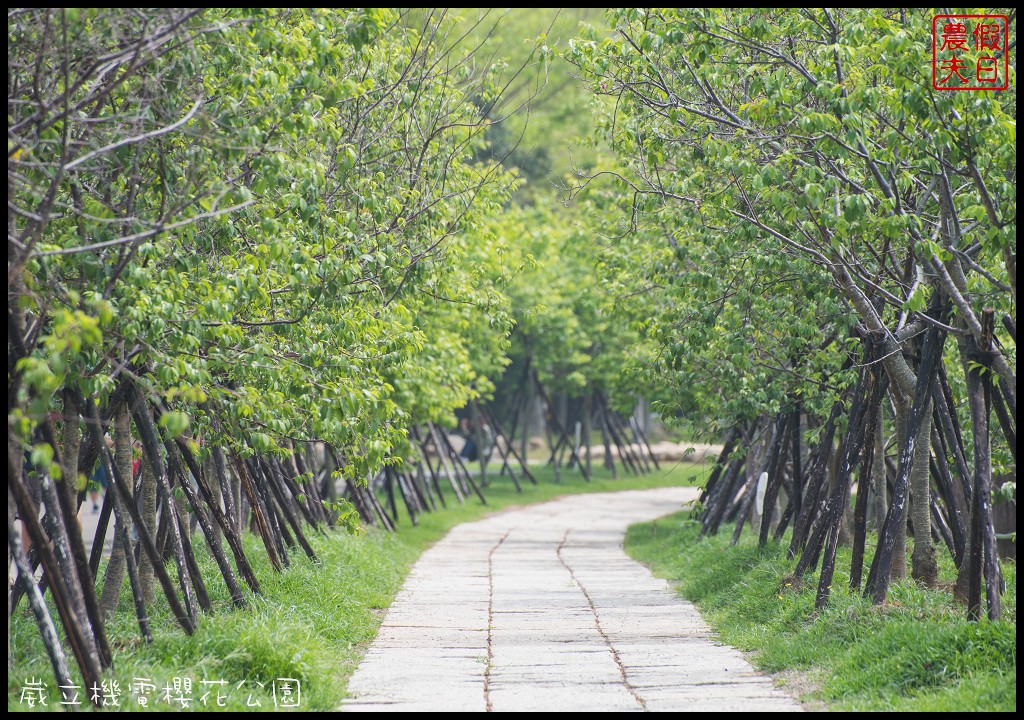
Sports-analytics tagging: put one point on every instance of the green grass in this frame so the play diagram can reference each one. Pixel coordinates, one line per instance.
(313, 623)
(917, 652)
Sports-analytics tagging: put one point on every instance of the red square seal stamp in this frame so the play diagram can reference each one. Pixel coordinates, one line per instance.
(970, 52)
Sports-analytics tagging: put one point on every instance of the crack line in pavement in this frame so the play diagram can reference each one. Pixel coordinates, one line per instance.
(597, 622)
(490, 620)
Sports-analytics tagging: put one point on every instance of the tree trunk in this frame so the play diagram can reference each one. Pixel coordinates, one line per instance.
(165, 499)
(879, 489)
(588, 410)
(899, 561)
(924, 566)
(774, 470)
(798, 479)
(146, 577)
(72, 441)
(919, 416)
(755, 458)
(562, 409)
(982, 560)
(228, 492)
(526, 416)
(609, 459)
(844, 533)
(478, 437)
(114, 578)
(213, 480)
(67, 502)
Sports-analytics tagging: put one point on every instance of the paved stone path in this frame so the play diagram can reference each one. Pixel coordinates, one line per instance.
(540, 609)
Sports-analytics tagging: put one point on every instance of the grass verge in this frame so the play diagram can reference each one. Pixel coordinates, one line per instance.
(916, 652)
(312, 623)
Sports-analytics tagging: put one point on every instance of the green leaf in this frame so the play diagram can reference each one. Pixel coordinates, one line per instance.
(175, 423)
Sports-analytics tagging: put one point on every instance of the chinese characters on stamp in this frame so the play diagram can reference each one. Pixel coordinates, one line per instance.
(970, 52)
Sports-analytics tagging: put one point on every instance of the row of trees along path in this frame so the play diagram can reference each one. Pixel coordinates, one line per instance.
(809, 229)
(230, 234)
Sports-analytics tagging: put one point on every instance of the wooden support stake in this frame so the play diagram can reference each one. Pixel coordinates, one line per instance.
(880, 575)
(258, 513)
(54, 650)
(118, 485)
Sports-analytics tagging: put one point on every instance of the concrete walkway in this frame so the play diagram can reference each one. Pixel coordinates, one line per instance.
(539, 609)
